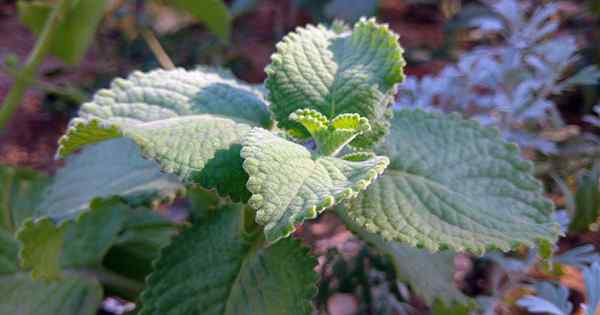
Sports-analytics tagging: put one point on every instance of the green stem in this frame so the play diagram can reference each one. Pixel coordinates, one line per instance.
(41, 49)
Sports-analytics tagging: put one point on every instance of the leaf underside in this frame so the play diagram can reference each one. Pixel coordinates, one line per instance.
(113, 167)
(334, 73)
(215, 269)
(288, 185)
(453, 184)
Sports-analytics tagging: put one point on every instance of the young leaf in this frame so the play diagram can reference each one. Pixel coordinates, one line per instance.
(453, 184)
(162, 94)
(288, 185)
(202, 149)
(335, 73)
(110, 168)
(214, 268)
(76, 28)
(20, 191)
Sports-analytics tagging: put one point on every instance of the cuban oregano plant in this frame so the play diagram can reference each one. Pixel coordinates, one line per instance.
(321, 136)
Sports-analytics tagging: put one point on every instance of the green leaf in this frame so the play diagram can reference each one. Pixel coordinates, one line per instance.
(289, 185)
(75, 295)
(9, 249)
(162, 94)
(202, 149)
(110, 168)
(213, 13)
(587, 201)
(441, 308)
(20, 191)
(47, 247)
(453, 184)
(138, 244)
(42, 242)
(214, 268)
(76, 30)
(335, 73)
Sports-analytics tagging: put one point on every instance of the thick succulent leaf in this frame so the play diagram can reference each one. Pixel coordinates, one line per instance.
(334, 73)
(47, 247)
(452, 183)
(114, 167)
(215, 268)
(20, 191)
(74, 295)
(288, 185)
(162, 94)
(202, 149)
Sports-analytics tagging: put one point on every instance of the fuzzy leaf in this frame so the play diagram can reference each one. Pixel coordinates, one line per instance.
(214, 268)
(114, 167)
(453, 184)
(335, 73)
(75, 295)
(288, 185)
(162, 94)
(20, 191)
(202, 149)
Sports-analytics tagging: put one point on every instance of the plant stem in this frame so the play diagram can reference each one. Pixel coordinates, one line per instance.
(35, 59)
(157, 49)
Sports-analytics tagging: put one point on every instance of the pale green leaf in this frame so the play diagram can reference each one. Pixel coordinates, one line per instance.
(214, 268)
(162, 94)
(289, 185)
(75, 30)
(335, 73)
(202, 149)
(110, 168)
(454, 184)
(213, 13)
(20, 191)
(75, 295)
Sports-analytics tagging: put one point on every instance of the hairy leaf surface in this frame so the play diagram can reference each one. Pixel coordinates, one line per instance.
(214, 268)
(288, 185)
(334, 73)
(452, 183)
(202, 149)
(162, 94)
